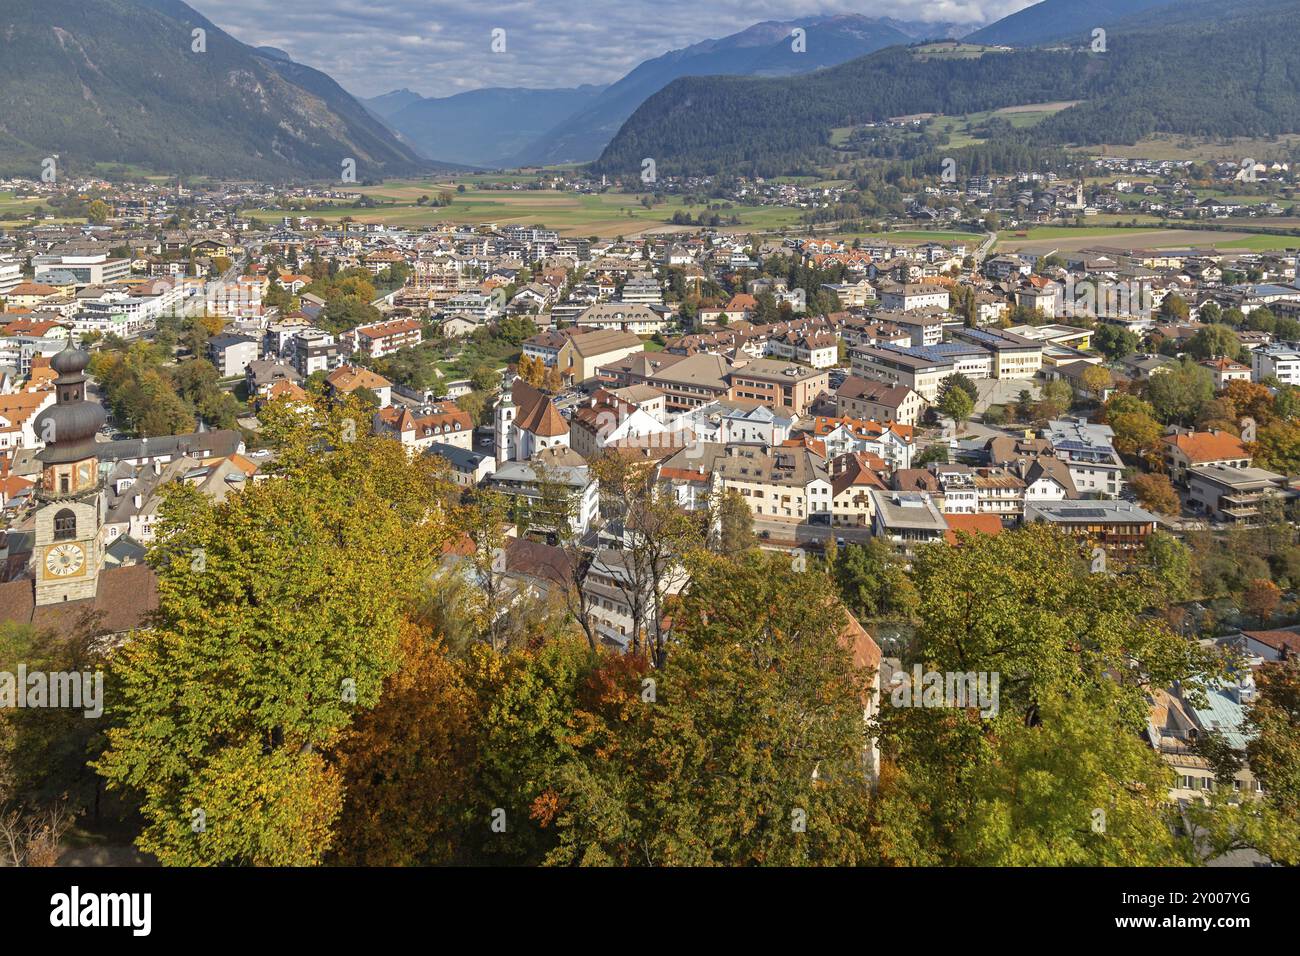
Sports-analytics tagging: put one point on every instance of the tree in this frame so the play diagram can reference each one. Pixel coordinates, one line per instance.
(1278, 447)
(641, 785)
(1018, 782)
(873, 583)
(1115, 342)
(957, 405)
(1261, 599)
(1214, 341)
(408, 765)
(278, 619)
(1155, 492)
(1178, 392)
(1097, 380)
(98, 211)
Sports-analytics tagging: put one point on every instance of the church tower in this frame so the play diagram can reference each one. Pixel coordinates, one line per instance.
(67, 549)
(503, 431)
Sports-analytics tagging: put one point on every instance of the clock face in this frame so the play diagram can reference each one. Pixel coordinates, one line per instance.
(63, 560)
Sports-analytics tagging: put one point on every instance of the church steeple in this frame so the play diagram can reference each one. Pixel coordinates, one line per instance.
(67, 549)
(68, 429)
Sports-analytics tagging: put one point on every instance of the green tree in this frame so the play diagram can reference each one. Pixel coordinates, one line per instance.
(278, 619)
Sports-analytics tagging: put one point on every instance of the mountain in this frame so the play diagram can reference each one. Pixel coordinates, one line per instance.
(764, 49)
(1207, 69)
(386, 104)
(1054, 20)
(118, 82)
(481, 127)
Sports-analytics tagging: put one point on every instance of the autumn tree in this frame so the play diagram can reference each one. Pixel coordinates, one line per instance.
(1155, 492)
(408, 766)
(278, 619)
(1261, 599)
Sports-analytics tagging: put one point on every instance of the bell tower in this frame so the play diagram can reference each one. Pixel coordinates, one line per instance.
(67, 549)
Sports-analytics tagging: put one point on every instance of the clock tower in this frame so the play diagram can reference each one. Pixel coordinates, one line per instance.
(67, 549)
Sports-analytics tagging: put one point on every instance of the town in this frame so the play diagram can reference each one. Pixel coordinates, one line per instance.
(907, 509)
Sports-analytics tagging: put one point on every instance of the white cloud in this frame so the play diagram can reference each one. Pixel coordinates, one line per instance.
(439, 47)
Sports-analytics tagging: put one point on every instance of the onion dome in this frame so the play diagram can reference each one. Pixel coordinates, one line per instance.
(69, 426)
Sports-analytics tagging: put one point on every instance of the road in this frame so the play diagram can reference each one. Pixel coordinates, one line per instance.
(783, 536)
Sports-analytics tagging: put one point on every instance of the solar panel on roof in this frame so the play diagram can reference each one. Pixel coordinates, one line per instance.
(1087, 512)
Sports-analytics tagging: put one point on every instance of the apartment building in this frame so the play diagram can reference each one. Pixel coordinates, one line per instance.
(383, 338)
(783, 484)
(781, 386)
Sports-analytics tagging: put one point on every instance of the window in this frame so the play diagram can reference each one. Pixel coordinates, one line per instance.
(65, 524)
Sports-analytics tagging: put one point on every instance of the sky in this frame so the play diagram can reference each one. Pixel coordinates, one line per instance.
(441, 47)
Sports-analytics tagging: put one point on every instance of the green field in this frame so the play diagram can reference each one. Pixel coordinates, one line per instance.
(574, 214)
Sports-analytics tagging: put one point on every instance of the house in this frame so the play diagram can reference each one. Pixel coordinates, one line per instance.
(347, 379)
(532, 485)
(1282, 644)
(1236, 495)
(854, 475)
(876, 401)
(888, 441)
(468, 468)
(734, 421)
(1177, 722)
(907, 520)
(1280, 360)
(1225, 370)
(1118, 527)
(1190, 449)
(605, 420)
(441, 423)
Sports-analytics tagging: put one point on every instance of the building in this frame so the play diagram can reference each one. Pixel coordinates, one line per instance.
(91, 269)
(788, 484)
(907, 520)
(1236, 495)
(383, 338)
(1280, 361)
(1095, 466)
(1117, 527)
(623, 317)
(233, 354)
(525, 422)
(604, 420)
(579, 353)
(1192, 449)
(537, 486)
(315, 351)
(63, 576)
(876, 401)
(468, 468)
(781, 386)
(907, 297)
(441, 423)
(894, 366)
(348, 379)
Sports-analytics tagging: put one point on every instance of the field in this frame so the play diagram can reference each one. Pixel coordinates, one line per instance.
(959, 128)
(572, 214)
(9, 203)
(1071, 239)
(1172, 147)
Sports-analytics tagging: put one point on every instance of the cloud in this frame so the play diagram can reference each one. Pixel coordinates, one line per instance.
(440, 47)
